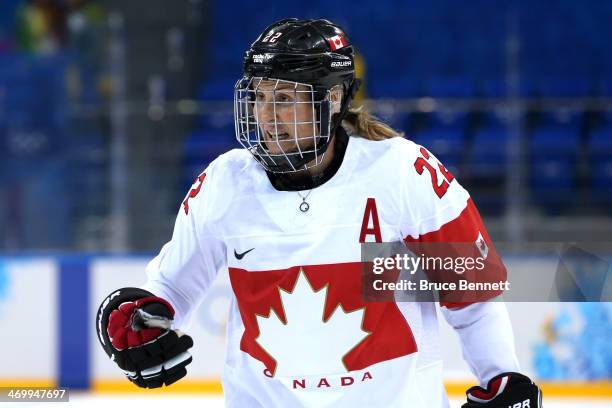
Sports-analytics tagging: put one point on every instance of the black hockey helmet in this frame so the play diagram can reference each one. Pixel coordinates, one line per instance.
(315, 53)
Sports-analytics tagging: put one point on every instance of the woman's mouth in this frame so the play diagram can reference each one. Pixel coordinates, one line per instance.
(277, 136)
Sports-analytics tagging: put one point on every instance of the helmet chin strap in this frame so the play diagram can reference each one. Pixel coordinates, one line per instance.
(297, 162)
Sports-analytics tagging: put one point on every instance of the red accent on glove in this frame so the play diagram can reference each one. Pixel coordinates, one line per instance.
(493, 388)
(119, 324)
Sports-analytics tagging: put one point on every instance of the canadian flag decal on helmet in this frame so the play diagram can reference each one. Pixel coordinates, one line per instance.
(337, 42)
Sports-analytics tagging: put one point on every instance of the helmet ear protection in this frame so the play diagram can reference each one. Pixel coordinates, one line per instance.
(347, 98)
(336, 96)
(310, 54)
(326, 116)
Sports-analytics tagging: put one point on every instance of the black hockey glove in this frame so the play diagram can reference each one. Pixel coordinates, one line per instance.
(507, 390)
(134, 329)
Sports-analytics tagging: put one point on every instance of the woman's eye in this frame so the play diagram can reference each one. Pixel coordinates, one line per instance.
(261, 96)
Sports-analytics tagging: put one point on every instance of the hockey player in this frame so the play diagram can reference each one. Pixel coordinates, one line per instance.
(286, 216)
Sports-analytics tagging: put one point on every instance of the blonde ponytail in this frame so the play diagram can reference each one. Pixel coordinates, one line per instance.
(363, 124)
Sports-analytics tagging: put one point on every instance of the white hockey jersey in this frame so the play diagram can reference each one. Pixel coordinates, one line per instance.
(299, 332)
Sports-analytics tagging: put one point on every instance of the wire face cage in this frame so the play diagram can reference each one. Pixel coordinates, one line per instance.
(285, 125)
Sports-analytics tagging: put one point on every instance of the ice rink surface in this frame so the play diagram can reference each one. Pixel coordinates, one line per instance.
(208, 401)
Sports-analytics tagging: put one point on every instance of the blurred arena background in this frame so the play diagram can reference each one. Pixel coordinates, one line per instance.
(109, 109)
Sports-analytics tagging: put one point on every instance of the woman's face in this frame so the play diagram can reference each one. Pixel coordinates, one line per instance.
(285, 115)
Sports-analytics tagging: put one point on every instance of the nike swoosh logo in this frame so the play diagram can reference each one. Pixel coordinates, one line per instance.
(240, 256)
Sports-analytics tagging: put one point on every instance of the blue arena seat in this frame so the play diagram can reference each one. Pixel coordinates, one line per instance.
(400, 88)
(217, 90)
(552, 184)
(568, 87)
(492, 88)
(489, 157)
(605, 88)
(204, 144)
(450, 87)
(601, 174)
(200, 148)
(554, 142)
(601, 182)
(599, 154)
(448, 119)
(551, 175)
(219, 122)
(562, 118)
(600, 143)
(553, 153)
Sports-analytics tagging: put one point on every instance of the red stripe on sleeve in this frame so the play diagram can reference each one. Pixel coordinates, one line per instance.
(464, 237)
